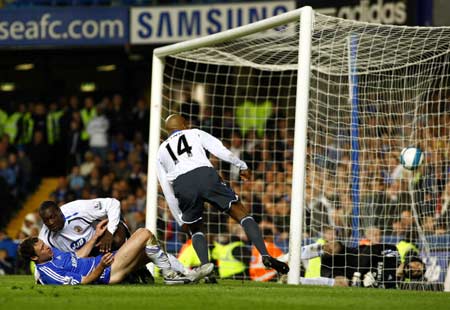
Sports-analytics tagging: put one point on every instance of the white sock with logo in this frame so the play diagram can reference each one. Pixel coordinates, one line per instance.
(158, 257)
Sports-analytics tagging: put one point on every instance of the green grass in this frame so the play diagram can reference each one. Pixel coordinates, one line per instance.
(19, 292)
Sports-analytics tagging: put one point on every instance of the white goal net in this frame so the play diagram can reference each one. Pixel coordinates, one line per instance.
(373, 90)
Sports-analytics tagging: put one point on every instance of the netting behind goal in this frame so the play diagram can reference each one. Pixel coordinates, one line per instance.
(373, 91)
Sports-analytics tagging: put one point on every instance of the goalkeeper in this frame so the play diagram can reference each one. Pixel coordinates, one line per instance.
(188, 179)
(375, 263)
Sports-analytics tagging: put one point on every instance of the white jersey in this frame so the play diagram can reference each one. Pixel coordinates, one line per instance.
(184, 151)
(80, 221)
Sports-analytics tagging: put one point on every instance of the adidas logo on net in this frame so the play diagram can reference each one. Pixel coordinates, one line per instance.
(384, 12)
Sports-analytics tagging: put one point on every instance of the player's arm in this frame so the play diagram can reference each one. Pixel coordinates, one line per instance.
(87, 248)
(167, 188)
(216, 147)
(109, 207)
(106, 261)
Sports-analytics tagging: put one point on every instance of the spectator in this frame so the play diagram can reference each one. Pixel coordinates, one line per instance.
(372, 236)
(40, 156)
(6, 264)
(25, 172)
(76, 181)
(7, 244)
(140, 118)
(136, 177)
(87, 114)
(88, 165)
(119, 117)
(7, 173)
(97, 129)
(105, 188)
(39, 120)
(25, 124)
(404, 227)
(122, 170)
(62, 193)
(73, 144)
(120, 146)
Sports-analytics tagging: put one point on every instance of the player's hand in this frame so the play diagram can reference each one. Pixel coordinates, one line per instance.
(100, 228)
(245, 174)
(369, 280)
(105, 242)
(107, 260)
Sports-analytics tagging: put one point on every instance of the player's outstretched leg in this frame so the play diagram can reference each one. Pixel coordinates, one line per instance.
(251, 228)
(160, 259)
(273, 263)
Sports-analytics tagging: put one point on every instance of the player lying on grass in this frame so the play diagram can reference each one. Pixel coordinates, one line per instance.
(188, 179)
(378, 265)
(56, 267)
(70, 226)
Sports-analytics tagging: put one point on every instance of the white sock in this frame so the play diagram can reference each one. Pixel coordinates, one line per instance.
(158, 257)
(176, 264)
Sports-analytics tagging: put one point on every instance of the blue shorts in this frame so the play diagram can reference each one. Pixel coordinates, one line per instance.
(106, 274)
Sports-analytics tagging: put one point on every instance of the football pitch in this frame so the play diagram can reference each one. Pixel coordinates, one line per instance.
(19, 292)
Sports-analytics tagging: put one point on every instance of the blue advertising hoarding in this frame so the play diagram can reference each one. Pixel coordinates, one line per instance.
(169, 24)
(64, 27)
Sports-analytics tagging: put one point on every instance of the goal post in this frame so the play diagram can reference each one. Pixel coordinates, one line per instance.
(159, 54)
(300, 138)
(320, 109)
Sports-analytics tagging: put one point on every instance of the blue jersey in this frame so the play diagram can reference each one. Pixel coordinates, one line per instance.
(66, 268)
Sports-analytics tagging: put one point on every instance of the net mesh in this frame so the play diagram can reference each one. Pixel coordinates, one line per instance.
(357, 195)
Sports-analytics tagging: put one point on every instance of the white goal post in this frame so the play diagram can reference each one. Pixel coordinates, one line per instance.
(320, 108)
(301, 113)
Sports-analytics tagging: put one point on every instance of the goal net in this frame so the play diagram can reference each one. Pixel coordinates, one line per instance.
(373, 90)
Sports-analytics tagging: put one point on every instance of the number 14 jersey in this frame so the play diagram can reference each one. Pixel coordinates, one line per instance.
(184, 150)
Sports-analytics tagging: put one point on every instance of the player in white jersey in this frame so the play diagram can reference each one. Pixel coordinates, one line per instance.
(72, 225)
(188, 179)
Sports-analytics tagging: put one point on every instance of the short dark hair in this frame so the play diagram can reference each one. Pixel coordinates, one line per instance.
(48, 204)
(26, 248)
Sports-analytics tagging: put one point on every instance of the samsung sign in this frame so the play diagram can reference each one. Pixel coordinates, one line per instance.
(75, 27)
(172, 24)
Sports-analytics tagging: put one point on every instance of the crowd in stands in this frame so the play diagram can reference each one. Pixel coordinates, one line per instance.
(99, 149)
